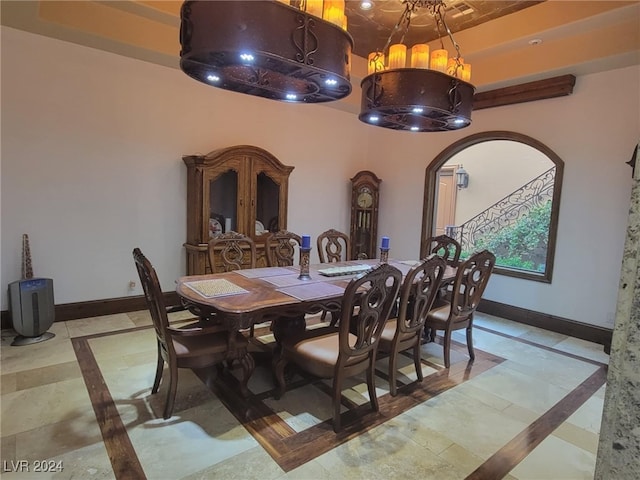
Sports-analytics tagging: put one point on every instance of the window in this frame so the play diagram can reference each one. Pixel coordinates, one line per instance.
(509, 205)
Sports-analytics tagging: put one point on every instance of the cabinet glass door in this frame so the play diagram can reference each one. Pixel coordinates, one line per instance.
(267, 204)
(223, 210)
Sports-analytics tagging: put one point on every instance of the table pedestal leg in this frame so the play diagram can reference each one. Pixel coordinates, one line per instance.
(284, 327)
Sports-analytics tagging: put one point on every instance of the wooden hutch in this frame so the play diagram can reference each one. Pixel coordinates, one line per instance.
(241, 188)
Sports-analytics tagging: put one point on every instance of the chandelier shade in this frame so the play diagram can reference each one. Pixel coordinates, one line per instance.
(416, 99)
(428, 94)
(266, 49)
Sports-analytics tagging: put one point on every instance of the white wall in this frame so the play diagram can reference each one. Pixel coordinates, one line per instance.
(92, 147)
(594, 131)
(91, 167)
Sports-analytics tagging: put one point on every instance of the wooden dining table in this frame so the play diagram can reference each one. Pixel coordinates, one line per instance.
(242, 298)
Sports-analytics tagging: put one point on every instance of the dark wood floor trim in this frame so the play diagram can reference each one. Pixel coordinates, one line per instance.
(505, 459)
(538, 345)
(124, 461)
(584, 331)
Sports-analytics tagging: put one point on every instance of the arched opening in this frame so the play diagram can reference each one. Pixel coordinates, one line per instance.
(500, 191)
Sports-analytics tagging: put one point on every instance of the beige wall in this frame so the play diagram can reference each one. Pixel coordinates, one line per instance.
(91, 168)
(496, 169)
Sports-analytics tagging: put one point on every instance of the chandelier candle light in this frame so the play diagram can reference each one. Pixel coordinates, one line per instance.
(294, 53)
(432, 94)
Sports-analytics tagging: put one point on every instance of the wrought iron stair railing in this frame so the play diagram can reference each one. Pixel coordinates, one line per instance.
(505, 212)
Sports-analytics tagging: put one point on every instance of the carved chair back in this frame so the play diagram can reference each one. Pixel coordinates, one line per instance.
(231, 251)
(281, 248)
(333, 246)
(445, 247)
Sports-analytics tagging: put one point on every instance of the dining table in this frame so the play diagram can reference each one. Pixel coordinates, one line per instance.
(240, 299)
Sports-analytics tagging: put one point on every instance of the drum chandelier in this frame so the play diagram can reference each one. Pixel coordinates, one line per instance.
(431, 94)
(268, 49)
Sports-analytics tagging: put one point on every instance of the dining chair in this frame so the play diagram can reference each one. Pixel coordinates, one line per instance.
(471, 279)
(417, 294)
(335, 352)
(192, 346)
(281, 248)
(333, 246)
(231, 251)
(445, 247)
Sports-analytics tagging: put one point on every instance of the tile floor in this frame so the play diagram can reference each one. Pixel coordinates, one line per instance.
(47, 412)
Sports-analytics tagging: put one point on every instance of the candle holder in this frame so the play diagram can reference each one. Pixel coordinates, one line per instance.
(304, 264)
(384, 255)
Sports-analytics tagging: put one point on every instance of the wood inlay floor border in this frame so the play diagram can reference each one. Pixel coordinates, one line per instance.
(505, 459)
(291, 449)
(123, 457)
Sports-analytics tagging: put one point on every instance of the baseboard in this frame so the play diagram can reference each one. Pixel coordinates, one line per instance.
(97, 308)
(584, 331)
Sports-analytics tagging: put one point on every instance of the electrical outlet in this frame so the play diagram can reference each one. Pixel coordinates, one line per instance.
(132, 285)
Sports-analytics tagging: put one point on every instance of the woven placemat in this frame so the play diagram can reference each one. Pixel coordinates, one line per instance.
(215, 287)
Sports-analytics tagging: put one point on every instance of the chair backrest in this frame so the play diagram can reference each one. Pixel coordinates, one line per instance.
(281, 248)
(417, 294)
(471, 280)
(366, 305)
(333, 246)
(231, 251)
(155, 300)
(445, 247)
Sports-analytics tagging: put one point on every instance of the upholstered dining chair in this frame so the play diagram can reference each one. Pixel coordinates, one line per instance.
(445, 247)
(331, 352)
(471, 279)
(417, 294)
(192, 346)
(333, 246)
(281, 248)
(231, 251)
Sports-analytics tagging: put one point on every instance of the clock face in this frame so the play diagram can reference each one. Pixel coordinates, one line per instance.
(365, 199)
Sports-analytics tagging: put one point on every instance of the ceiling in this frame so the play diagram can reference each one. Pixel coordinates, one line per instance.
(507, 42)
(370, 29)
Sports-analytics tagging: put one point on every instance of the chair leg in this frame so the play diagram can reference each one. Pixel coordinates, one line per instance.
(248, 365)
(159, 369)
(171, 391)
(393, 365)
(371, 384)
(432, 334)
(447, 348)
(472, 354)
(337, 397)
(417, 360)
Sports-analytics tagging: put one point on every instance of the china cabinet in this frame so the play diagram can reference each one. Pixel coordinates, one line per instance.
(241, 188)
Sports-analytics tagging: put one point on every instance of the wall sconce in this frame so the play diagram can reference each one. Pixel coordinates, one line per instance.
(462, 178)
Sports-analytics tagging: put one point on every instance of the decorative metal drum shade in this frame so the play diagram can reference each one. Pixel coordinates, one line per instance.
(416, 99)
(266, 49)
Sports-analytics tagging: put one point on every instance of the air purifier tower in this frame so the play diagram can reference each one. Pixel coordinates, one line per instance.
(31, 303)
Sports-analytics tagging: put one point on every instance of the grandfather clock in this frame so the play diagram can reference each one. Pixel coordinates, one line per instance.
(365, 189)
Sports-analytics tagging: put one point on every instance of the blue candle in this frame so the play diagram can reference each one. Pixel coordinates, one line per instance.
(306, 241)
(385, 243)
